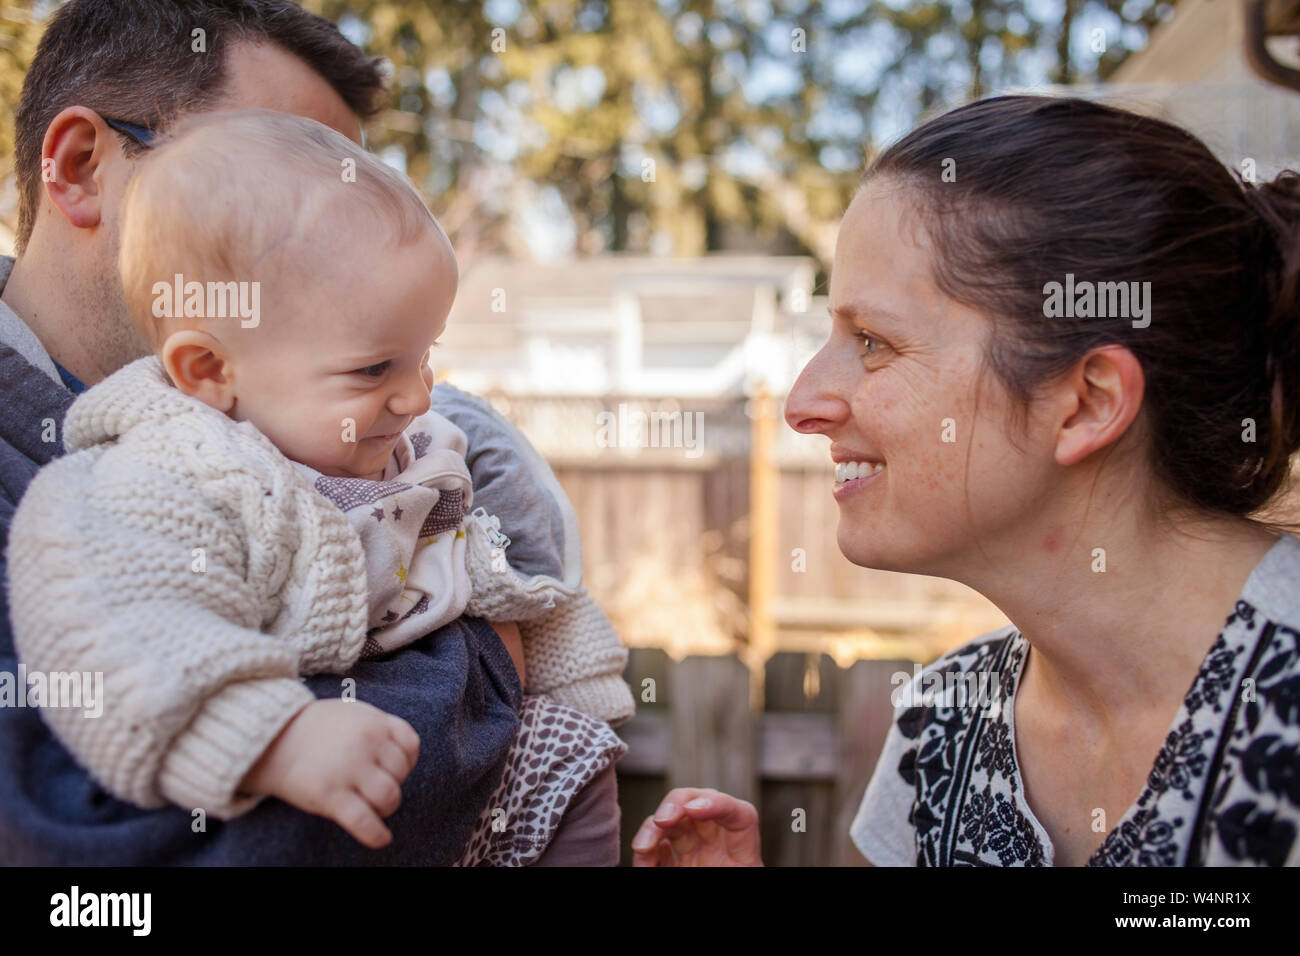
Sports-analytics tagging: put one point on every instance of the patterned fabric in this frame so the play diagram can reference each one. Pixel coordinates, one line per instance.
(558, 752)
(349, 493)
(457, 560)
(446, 515)
(409, 522)
(1224, 789)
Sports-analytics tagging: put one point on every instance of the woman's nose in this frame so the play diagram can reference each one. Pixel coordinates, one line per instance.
(817, 403)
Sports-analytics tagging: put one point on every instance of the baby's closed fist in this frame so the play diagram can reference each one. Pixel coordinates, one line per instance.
(343, 760)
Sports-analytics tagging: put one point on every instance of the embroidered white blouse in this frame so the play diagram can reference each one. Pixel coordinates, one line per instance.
(1224, 789)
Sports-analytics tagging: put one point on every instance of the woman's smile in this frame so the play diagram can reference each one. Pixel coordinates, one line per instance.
(853, 476)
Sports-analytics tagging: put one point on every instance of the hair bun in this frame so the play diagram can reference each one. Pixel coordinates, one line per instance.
(1277, 205)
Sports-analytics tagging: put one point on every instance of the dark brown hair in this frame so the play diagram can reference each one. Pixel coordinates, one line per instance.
(133, 60)
(1041, 187)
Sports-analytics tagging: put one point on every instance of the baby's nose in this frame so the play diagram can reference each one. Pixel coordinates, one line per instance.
(412, 398)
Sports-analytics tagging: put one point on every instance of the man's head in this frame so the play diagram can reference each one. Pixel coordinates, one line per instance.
(149, 64)
(348, 276)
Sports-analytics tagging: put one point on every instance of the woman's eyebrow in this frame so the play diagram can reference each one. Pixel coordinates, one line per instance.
(862, 312)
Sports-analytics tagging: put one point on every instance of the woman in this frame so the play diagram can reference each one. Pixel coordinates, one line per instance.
(1086, 456)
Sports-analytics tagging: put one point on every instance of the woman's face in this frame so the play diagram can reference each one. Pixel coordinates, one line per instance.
(896, 385)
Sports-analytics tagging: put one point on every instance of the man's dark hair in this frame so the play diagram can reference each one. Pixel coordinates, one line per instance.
(134, 60)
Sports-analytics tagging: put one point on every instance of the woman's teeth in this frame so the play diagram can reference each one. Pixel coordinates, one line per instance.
(848, 470)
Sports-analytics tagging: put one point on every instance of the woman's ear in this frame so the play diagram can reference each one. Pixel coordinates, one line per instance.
(199, 365)
(1104, 391)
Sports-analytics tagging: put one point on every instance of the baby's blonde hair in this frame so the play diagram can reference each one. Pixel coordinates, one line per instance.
(222, 197)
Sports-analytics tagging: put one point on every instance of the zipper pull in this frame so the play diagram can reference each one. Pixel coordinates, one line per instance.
(491, 526)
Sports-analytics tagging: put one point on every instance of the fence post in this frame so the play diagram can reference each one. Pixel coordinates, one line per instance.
(762, 541)
(865, 713)
(713, 733)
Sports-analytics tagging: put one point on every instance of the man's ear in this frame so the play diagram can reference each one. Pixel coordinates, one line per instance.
(1105, 390)
(200, 366)
(77, 143)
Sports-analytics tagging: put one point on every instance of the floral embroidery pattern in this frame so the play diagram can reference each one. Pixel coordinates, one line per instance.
(1224, 789)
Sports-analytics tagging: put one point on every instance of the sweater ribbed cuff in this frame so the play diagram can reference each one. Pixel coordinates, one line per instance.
(606, 697)
(208, 759)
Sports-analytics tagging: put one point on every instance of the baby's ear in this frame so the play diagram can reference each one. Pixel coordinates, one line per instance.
(199, 365)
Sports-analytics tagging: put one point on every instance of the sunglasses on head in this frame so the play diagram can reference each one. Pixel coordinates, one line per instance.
(141, 134)
(146, 136)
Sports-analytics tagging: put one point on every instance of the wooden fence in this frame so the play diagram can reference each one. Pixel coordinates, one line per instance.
(733, 548)
(803, 760)
(768, 654)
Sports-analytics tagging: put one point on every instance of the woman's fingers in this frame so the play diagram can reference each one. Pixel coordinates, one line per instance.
(727, 811)
(670, 807)
(723, 809)
(646, 844)
(689, 823)
(686, 839)
(668, 814)
(647, 839)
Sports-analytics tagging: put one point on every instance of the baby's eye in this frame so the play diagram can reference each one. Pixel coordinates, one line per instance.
(373, 371)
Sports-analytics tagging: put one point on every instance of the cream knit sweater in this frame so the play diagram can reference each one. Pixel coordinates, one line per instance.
(182, 555)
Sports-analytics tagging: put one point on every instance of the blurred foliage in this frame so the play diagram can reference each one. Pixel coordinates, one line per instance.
(20, 31)
(676, 126)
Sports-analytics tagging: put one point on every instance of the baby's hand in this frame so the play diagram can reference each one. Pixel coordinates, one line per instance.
(343, 760)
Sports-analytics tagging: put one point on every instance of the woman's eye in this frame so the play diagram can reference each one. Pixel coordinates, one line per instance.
(374, 371)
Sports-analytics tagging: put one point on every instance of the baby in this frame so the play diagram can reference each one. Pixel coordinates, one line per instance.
(270, 495)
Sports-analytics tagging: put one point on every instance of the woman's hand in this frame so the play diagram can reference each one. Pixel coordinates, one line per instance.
(698, 827)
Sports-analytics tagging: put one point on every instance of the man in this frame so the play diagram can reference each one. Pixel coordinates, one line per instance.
(107, 76)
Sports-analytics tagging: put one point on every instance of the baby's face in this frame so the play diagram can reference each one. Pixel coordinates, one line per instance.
(343, 366)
